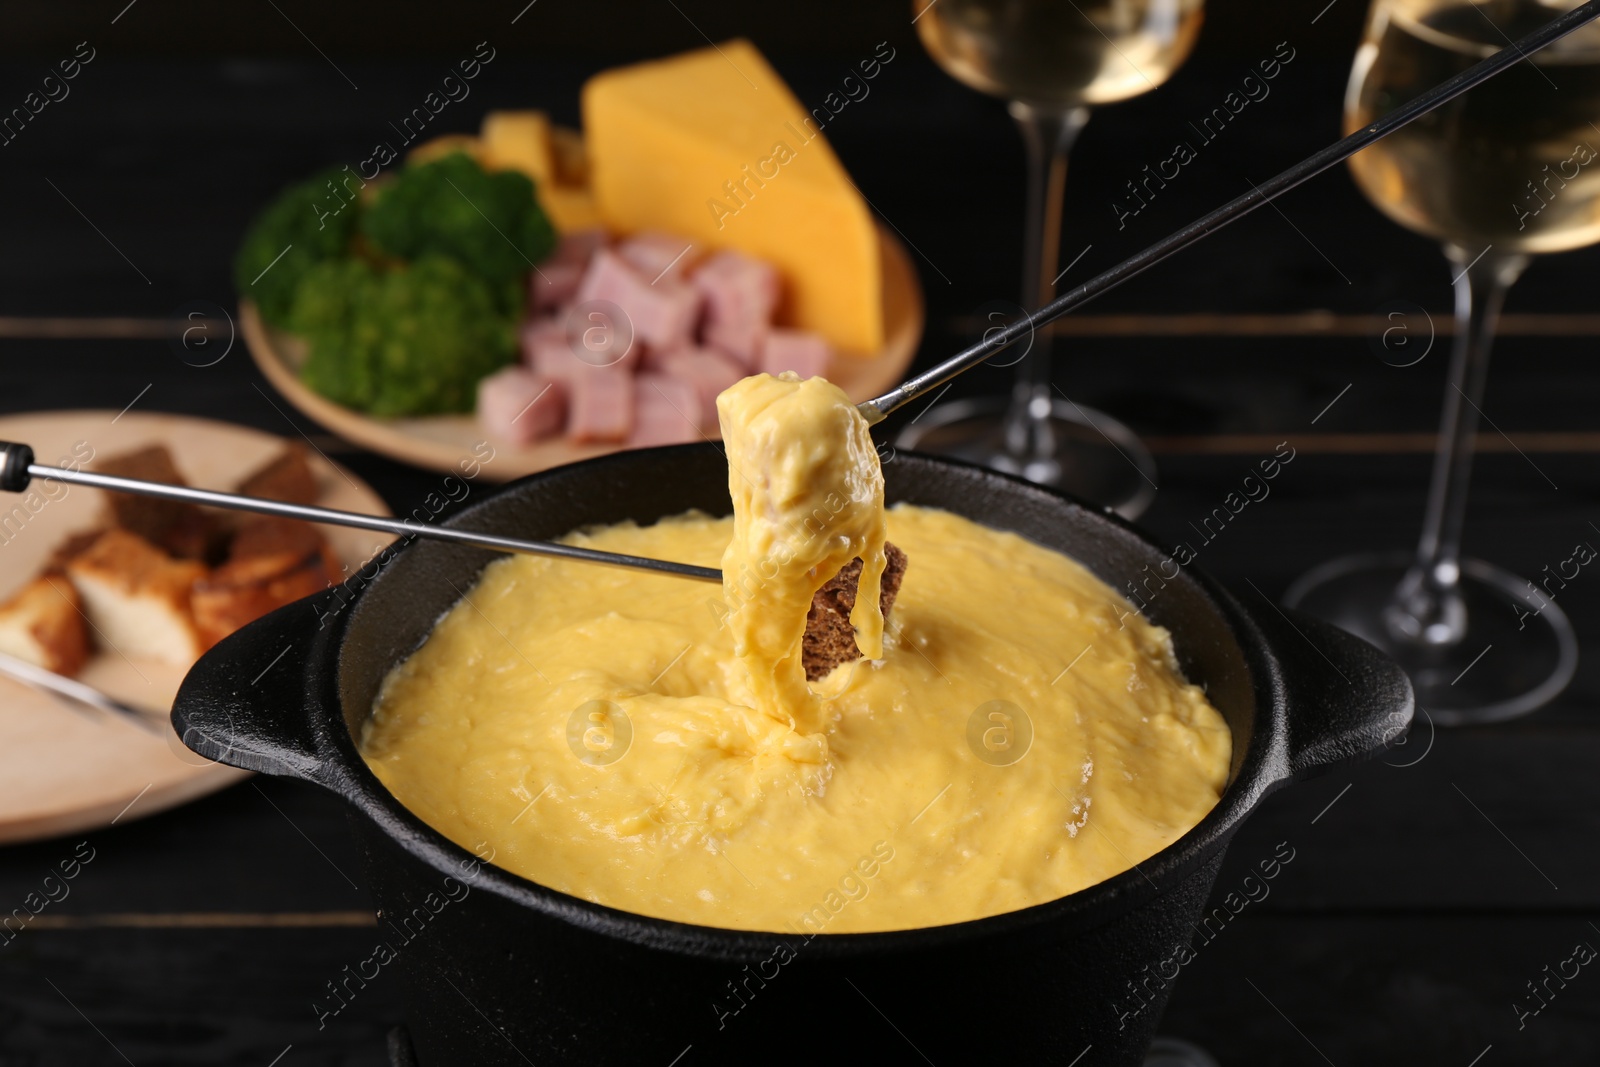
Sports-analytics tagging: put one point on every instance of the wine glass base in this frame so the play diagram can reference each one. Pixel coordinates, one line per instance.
(1514, 658)
(1097, 457)
(1173, 1052)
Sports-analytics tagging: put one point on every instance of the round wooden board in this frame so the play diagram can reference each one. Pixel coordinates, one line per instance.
(437, 442)
(64, 770)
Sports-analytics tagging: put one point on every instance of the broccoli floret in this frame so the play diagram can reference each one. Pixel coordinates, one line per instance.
(405, 340)
(491, 223)
(307, 220)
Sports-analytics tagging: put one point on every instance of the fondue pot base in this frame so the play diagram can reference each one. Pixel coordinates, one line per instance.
(496, 969)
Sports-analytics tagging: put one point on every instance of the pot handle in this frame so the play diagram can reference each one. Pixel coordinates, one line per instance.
(251, 702)
(1345, 700)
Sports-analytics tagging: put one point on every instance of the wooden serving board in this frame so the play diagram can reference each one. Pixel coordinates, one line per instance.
(64, 770)
(437, 442)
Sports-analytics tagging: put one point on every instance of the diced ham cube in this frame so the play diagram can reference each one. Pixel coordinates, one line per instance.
(601, 408)
(579, 246)
(658, 256)
(544, 346)
(668, 412)
(663, 315)
(741, 295)
(519, 406)
(650, 359)
(555, 347)
(554, 283)
(805, 353)
(706, 369)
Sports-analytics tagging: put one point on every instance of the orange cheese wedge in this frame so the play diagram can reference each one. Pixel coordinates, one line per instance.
(712, 145)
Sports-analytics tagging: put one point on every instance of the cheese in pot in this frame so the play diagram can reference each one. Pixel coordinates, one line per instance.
(649, 742)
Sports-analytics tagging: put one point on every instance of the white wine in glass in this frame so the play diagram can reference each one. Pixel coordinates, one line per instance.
(1053, 60)
(1516, 163)
(1508, 170)
(1061, 54)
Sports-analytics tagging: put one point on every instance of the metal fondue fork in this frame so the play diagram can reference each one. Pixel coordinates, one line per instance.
(17, 469)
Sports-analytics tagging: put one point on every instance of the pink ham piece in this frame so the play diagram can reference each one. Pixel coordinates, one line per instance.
(547, 348)
(553, 284)
(801, 351)
(544, 348)
(579, 246)
(519, 407)
(668, 413)
(555, 281)
(602, 405)
(658, 256)
(706, 369)
(741, 295)
(663, 315)
(650, 360)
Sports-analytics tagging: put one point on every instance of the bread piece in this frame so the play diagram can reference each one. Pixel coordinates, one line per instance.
(830, 639)
(137, 597)
(272, 562)
(199, 535)
(287, 476)
(148, 517)
(43, 624)
(267, 546)
(74, 546)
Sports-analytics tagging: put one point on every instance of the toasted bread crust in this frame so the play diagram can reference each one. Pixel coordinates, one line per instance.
(137, 596)
(287, 477)
(830, 639)
(197, 535)
(126, 561)
(74, 546)
(146, 569)
(271, 562)
(148, 517)
(43, 624)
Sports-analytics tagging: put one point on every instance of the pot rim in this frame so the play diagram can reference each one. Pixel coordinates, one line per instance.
(1262, 770)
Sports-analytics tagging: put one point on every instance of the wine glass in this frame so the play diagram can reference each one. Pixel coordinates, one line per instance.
(1052, 59)
(1506, 171)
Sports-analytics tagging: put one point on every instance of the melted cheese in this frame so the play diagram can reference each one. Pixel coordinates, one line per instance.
(649, 743)
(807, 499)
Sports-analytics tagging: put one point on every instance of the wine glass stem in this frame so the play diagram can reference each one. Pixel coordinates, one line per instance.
(1048, 135)
(1428, 607)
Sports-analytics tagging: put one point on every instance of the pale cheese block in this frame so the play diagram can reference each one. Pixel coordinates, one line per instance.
(519, 140)
(571, 207)
(712, 145)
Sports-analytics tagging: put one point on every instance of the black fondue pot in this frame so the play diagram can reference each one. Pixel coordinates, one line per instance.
(496, 969)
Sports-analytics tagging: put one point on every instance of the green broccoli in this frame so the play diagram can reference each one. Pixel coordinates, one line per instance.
(406, 340)
(490, 223)
(305, 225)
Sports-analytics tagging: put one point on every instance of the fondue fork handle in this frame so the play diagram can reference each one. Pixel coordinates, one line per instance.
(877, 409)
(17, 469)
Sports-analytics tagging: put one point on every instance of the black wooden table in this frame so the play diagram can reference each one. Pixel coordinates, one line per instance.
(1426, 889)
